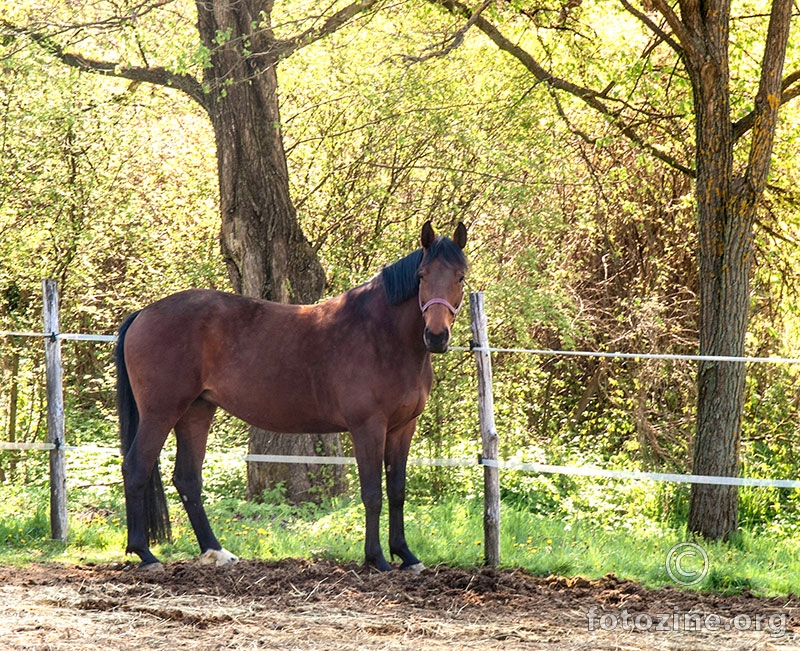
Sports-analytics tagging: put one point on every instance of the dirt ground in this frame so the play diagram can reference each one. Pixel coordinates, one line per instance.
(296, 604)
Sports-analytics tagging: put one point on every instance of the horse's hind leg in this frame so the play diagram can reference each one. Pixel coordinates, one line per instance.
(137, 468)
(192, 435)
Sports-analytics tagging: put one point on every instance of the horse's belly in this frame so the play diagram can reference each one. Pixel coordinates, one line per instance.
(293, 398)
(280, 413)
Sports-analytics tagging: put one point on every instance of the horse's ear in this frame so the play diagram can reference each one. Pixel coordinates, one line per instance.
(428, 235)
(460, 236)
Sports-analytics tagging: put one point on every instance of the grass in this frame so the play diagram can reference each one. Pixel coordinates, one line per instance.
(550, 525)
(445, 532)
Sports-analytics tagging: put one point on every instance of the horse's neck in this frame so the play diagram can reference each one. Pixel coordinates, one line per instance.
(400, 324)
(409, 326)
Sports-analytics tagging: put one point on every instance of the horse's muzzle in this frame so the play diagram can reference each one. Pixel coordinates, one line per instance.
(436, 343)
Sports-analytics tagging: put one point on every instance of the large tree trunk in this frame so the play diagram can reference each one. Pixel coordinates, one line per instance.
(724, 248)
(726, 216)
(265, 250)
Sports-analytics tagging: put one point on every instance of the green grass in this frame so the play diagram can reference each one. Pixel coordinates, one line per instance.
(550, 525)
(447, 532)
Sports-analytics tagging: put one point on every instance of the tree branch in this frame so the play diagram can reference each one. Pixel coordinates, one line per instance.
(154, 75)
(111, 23)
(590, 97)
(679, 28)
(768, 98)
(653, 27)
(788, 93)
(282, 48)
(455, 40)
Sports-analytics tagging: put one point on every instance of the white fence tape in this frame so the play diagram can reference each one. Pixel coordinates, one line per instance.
(541, 468)
(278, 458)
(27, 446)
(81, 337)
(593, 471)
(70, 336)
(11, 333)
(67, 336)
(663, 356)
(44, 447)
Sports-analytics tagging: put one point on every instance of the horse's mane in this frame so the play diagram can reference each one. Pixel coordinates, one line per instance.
(401, 279)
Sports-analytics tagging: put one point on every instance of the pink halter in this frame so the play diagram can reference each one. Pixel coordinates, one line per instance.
(441, 301)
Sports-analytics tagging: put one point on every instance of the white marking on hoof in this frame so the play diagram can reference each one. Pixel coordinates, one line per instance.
(416, 568)
(151, 568)
(217, 557)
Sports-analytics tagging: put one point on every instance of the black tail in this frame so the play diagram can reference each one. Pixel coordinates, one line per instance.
(158, 526)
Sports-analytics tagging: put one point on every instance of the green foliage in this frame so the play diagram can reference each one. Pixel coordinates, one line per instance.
(97, 192)
(589, 528)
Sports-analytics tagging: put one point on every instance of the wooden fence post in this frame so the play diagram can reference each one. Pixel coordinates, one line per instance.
(489, 438)
(55, 412)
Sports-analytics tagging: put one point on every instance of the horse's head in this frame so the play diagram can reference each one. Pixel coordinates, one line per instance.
(441, 284)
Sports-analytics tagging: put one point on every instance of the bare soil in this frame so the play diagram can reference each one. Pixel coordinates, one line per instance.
(297, 604)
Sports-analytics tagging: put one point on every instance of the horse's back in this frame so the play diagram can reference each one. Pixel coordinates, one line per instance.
(212, 317)
(260, 361)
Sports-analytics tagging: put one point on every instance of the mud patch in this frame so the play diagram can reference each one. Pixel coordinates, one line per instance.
(296, 604)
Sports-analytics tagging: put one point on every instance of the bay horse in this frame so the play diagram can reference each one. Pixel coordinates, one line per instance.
(358, 362)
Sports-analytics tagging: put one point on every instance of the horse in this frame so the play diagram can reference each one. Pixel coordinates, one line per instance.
(358, 362)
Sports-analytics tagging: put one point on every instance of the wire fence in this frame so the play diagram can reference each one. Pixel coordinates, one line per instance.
(635, 356)
(541, 468)
(509, 465)
(57, 445)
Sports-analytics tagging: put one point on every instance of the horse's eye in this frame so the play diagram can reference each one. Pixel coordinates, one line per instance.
(461, 279)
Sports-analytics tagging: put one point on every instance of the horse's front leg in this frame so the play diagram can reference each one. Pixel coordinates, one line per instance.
(398, 443)
(368, 445)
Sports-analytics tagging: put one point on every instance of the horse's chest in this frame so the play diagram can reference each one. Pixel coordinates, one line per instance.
(410, 396)
(394, 390)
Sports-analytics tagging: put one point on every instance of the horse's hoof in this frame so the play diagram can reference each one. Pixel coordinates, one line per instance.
(218, 557)
(151, 568)
(380, 566)
(416, 568)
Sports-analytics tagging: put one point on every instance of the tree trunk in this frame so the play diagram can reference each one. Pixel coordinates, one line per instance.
(301, 482)
(724, 246)
(264, 248)
(726, 216)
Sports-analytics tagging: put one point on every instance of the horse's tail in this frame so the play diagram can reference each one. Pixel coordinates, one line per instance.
(155, 501)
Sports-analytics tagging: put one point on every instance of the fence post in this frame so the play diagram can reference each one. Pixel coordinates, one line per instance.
(489, 438)
(55, 412)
